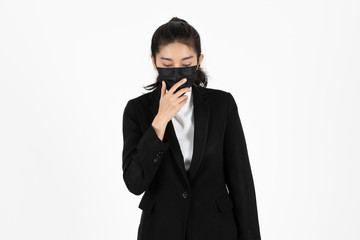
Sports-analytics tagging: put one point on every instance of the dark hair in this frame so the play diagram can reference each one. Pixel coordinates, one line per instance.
(177, 30)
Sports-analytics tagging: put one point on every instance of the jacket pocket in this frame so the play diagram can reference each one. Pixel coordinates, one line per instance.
(147, 203)
(224, 202)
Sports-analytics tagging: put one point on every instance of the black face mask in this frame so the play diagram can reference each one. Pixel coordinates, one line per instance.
(173, 75)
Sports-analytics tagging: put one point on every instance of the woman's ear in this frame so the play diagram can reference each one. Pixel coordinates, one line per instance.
(201, 57)
(153, 61)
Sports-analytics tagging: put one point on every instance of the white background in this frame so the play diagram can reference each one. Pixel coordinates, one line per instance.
(67, 69)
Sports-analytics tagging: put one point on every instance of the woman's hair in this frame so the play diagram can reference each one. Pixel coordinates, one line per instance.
(177, 30)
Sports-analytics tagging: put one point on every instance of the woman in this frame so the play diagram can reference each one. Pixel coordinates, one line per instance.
(184, 147)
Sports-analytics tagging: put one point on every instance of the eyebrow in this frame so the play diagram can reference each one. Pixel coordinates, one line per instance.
(169, 59)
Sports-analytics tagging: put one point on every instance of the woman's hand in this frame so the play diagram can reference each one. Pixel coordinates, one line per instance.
(170, 104)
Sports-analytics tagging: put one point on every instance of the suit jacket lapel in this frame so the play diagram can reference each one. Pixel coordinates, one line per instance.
(201, 123)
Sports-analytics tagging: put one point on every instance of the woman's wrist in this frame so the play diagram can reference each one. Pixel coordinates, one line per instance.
(159, 124)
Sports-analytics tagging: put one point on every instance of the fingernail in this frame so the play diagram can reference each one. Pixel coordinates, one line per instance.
(185, 80)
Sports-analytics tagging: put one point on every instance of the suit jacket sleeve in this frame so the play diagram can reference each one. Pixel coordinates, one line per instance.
(142, 152)
(238, 176)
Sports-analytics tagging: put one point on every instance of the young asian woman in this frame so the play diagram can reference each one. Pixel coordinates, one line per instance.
(185, 149)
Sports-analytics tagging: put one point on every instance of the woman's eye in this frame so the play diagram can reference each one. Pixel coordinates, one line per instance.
(183, 65)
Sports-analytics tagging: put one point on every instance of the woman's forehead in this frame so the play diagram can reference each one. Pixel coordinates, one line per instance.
(176, 51)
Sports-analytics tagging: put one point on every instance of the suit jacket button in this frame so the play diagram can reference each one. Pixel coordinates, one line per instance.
(185, 194)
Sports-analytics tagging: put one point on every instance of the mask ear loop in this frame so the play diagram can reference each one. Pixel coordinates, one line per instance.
(198, 66)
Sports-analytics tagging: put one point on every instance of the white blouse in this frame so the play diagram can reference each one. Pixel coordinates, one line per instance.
(183, 123)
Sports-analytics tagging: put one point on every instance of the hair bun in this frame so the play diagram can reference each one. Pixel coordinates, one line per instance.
(177, 20)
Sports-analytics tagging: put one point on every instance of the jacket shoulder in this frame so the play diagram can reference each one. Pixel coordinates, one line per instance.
(144, 98)
(216, 96)
(214, 91)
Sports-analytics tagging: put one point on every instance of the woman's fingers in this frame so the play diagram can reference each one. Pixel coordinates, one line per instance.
(182, 98)
(176, 85)
(163, 88)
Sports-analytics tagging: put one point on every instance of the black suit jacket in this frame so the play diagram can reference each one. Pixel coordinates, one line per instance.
(215, 200)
